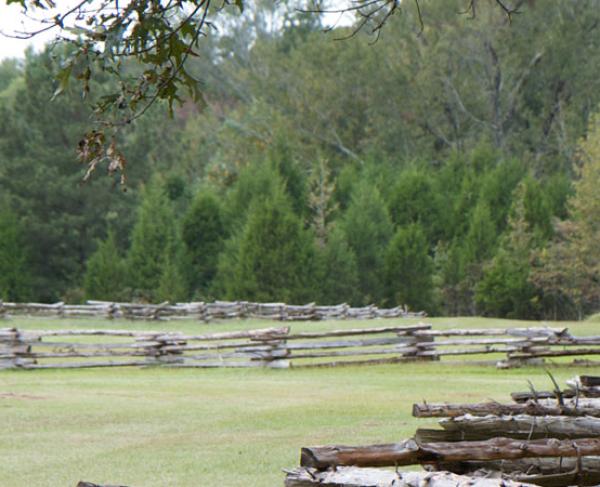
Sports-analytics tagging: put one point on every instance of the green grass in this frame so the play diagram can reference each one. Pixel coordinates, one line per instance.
(163, 427)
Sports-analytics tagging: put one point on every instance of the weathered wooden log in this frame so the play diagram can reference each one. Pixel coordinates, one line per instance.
(494, 341)
(573, 402)
(521, 426)
(400, 330)
(547, 472)
(83, 483)
(348, 363)
(582, 385)
(410, 452)
(465, 351)
(522, 397)
(409, 351)
(589, 380)
(522, 332)
(193, 364)
(482, 409)
(372, 477)
(365, 342)
(554, 353)
(85, 365)
(81, 354)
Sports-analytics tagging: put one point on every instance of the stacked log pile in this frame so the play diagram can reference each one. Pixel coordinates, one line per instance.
(550, 441)
(217, 310)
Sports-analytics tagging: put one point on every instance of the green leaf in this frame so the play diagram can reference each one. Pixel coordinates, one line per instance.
(240, 5)
(63, 78)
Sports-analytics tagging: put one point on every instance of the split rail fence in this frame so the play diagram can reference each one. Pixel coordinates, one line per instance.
(282, 348)
(204, 311)
(551, 442)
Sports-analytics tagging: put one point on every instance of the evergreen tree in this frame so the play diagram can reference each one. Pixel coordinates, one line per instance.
(151, 241)
(273, 256)
(409, 269)
(504, 289)
(256, 181)
(61, 218)
(416, 199)
(203, 233)
(337, 271)
(15, 280)
(569, 268)
(481, 236)
(368, 228)
(171, 286)
(105, 272)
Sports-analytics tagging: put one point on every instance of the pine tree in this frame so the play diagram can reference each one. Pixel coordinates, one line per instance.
(203, 233)
(409, 269)
(505, 290)
(15, 279)
(273, 256)
(415, 199)
(481, 236)
(337, 271)
(171, 286)
(152, 237)
(105, 272)
(368, 228)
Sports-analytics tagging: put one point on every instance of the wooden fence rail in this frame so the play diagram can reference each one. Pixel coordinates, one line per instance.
(280, 348)
(203, 311)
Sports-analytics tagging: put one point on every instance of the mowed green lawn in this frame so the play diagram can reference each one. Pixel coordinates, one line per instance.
(163, 427)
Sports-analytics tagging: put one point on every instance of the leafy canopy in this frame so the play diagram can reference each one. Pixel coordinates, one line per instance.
(159, 37)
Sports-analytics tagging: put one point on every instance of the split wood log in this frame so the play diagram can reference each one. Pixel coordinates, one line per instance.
(522, 332)
(185, 363)
(82, 483)
(547, 472)
(554, 353)
(589, 380)
(583, 387)
(537, 466)
(466, 351)
(85, 365)
(520, 427)
(573, 402)
(408, 351)
(348, 363)
(371, 477)
(367, 342)
(79, 354)
(495, 341)
(400, 330)
(410, 452)
(258, 334)
(522, 397)
(483, 409)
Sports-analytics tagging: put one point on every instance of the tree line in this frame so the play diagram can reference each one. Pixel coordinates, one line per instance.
(452, 170)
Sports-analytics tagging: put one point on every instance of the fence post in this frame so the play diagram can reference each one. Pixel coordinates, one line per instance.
(2, 310)
(12, 349)
(423, 343)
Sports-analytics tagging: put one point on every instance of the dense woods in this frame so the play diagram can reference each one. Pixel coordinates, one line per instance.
(453, 170)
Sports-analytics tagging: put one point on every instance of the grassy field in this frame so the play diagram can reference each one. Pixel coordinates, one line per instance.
(162, 427)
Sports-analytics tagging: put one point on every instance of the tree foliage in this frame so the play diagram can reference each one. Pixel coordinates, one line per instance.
(294, 126)
(569, 268)
(15, 277)
(105, 275)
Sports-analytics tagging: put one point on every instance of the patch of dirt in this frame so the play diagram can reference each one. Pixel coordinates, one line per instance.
(13, 395)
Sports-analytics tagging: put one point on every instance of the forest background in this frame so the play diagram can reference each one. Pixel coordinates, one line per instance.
(453, 167)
